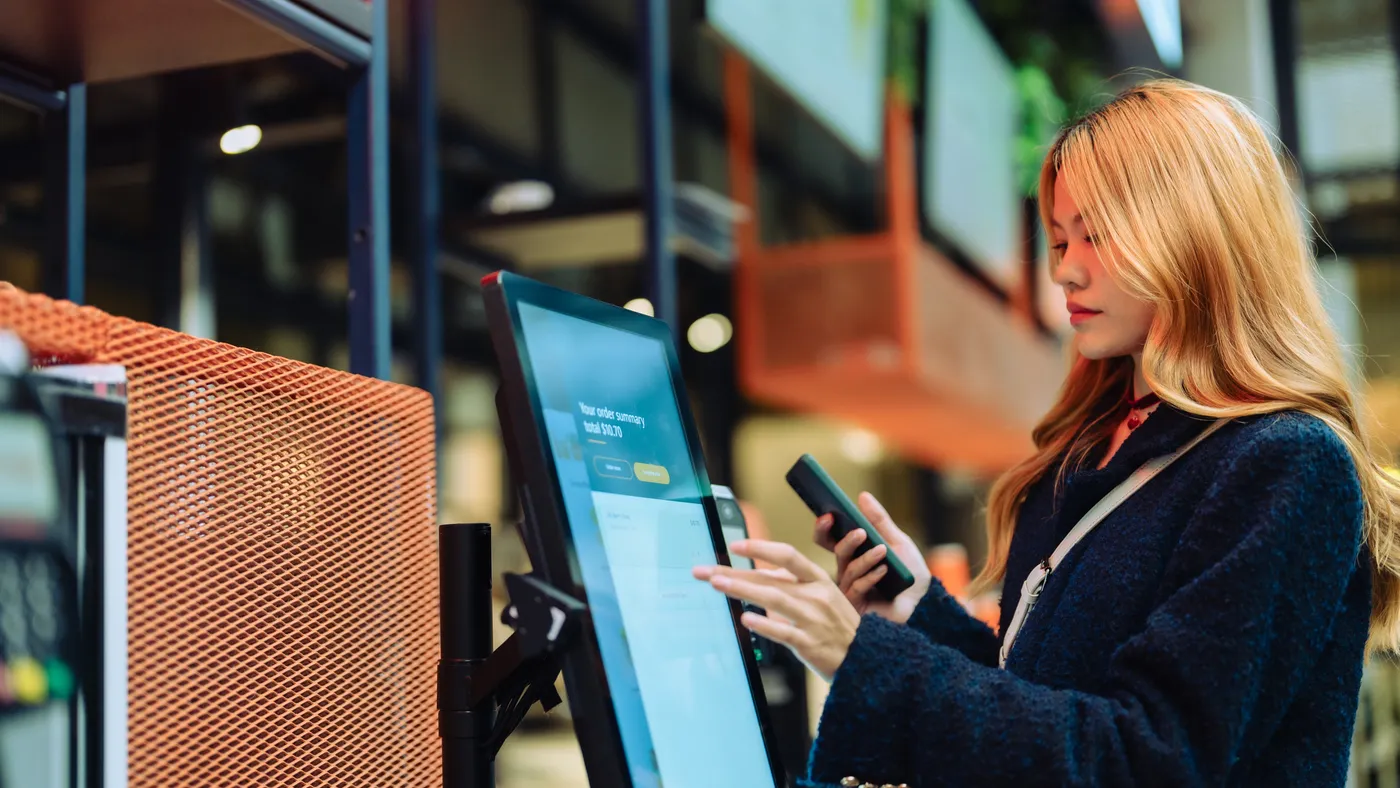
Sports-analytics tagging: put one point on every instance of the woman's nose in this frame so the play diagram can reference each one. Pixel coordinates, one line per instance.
(1067, 273)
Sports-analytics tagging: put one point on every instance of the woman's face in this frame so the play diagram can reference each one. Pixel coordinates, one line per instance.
(1107, 321)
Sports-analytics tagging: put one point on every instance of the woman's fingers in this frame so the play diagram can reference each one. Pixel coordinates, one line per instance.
(875, 512)
(846, 548)
(780, 555)
(862, 585)
(821, 532)
(778, 574)
(773, 629)
(805, 611)
(863, 565)
(769, 595)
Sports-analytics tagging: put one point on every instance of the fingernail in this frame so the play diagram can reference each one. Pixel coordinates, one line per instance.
(719, 581)
(702, 572)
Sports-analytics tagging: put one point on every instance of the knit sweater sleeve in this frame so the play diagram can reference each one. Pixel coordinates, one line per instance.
(1250, 593)
(942, 619)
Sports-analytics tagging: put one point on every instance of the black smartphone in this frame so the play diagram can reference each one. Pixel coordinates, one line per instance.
(816, 489)
(734, 527)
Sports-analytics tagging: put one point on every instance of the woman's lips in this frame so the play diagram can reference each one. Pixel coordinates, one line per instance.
(1079, 314)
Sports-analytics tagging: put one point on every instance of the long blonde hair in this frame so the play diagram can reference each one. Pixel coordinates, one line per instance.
(1184, 183)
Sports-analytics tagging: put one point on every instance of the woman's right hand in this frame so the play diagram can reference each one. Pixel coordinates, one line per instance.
(857, 576)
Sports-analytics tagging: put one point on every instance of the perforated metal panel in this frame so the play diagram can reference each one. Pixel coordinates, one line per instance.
(281, 564)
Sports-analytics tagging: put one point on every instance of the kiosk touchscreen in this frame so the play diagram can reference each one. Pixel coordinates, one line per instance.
(664, 690)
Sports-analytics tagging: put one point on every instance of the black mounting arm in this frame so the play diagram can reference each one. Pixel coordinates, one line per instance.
(483, 695)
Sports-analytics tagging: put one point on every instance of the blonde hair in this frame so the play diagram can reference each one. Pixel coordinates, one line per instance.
(1184, 183)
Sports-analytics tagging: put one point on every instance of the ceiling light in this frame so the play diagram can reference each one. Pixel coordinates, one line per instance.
(862, 447)
(240, 140)
(710, 333)
(521, 196)
(642, 306)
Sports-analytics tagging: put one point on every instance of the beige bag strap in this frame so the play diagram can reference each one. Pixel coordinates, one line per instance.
(1035, 581)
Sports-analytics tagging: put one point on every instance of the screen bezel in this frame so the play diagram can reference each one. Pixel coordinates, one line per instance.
(549, 538)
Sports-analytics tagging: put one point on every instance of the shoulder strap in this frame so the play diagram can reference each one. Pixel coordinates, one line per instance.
(1035, 581)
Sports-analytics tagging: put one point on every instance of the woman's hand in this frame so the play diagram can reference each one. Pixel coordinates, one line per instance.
(857, 576)
(806, 611)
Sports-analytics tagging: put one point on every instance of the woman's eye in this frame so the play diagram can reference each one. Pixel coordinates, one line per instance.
(1060, 247)
(1093, 239)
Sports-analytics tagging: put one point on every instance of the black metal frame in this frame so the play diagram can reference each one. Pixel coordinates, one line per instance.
(331, 41)
(64, 114)
(367, 132)
(354, 53)
(1283, 30)
(64, 194)
(364, 59)
(426, 200)
(658, 165)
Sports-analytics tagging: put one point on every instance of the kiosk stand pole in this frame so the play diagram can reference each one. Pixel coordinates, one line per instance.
(483, 694)
(464, 604)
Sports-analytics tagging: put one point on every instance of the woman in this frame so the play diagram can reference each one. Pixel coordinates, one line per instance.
(1212, 630)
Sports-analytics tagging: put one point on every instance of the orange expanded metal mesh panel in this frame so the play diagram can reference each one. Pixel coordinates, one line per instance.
(281, 560)
(819, 313)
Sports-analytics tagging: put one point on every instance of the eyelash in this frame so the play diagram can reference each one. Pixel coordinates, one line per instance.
(1061, 247)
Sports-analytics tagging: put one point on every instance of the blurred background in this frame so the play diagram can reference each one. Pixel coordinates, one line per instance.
(852, 261)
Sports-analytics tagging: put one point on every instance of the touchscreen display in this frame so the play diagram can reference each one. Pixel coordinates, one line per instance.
(633, 499)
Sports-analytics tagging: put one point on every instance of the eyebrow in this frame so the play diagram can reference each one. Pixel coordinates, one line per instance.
(1078, 217)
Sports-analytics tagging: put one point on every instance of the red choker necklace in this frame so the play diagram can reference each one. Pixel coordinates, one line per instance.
(1136, 406)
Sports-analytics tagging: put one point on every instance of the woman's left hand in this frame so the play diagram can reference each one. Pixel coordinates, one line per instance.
(806, 610)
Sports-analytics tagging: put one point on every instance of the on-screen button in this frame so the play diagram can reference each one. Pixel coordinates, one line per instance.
(654, 474)
(612, 468)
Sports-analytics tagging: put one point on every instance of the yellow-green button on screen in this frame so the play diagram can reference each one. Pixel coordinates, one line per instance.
(654, 474)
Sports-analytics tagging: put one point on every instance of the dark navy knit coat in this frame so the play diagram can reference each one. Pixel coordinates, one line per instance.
(1209, 632)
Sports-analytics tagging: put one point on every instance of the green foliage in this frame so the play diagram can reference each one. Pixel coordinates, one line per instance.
(1042, 114)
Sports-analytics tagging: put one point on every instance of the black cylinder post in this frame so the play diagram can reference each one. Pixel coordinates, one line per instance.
(464, 606)
(427, 200)
(654, 87)
(464, 586)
